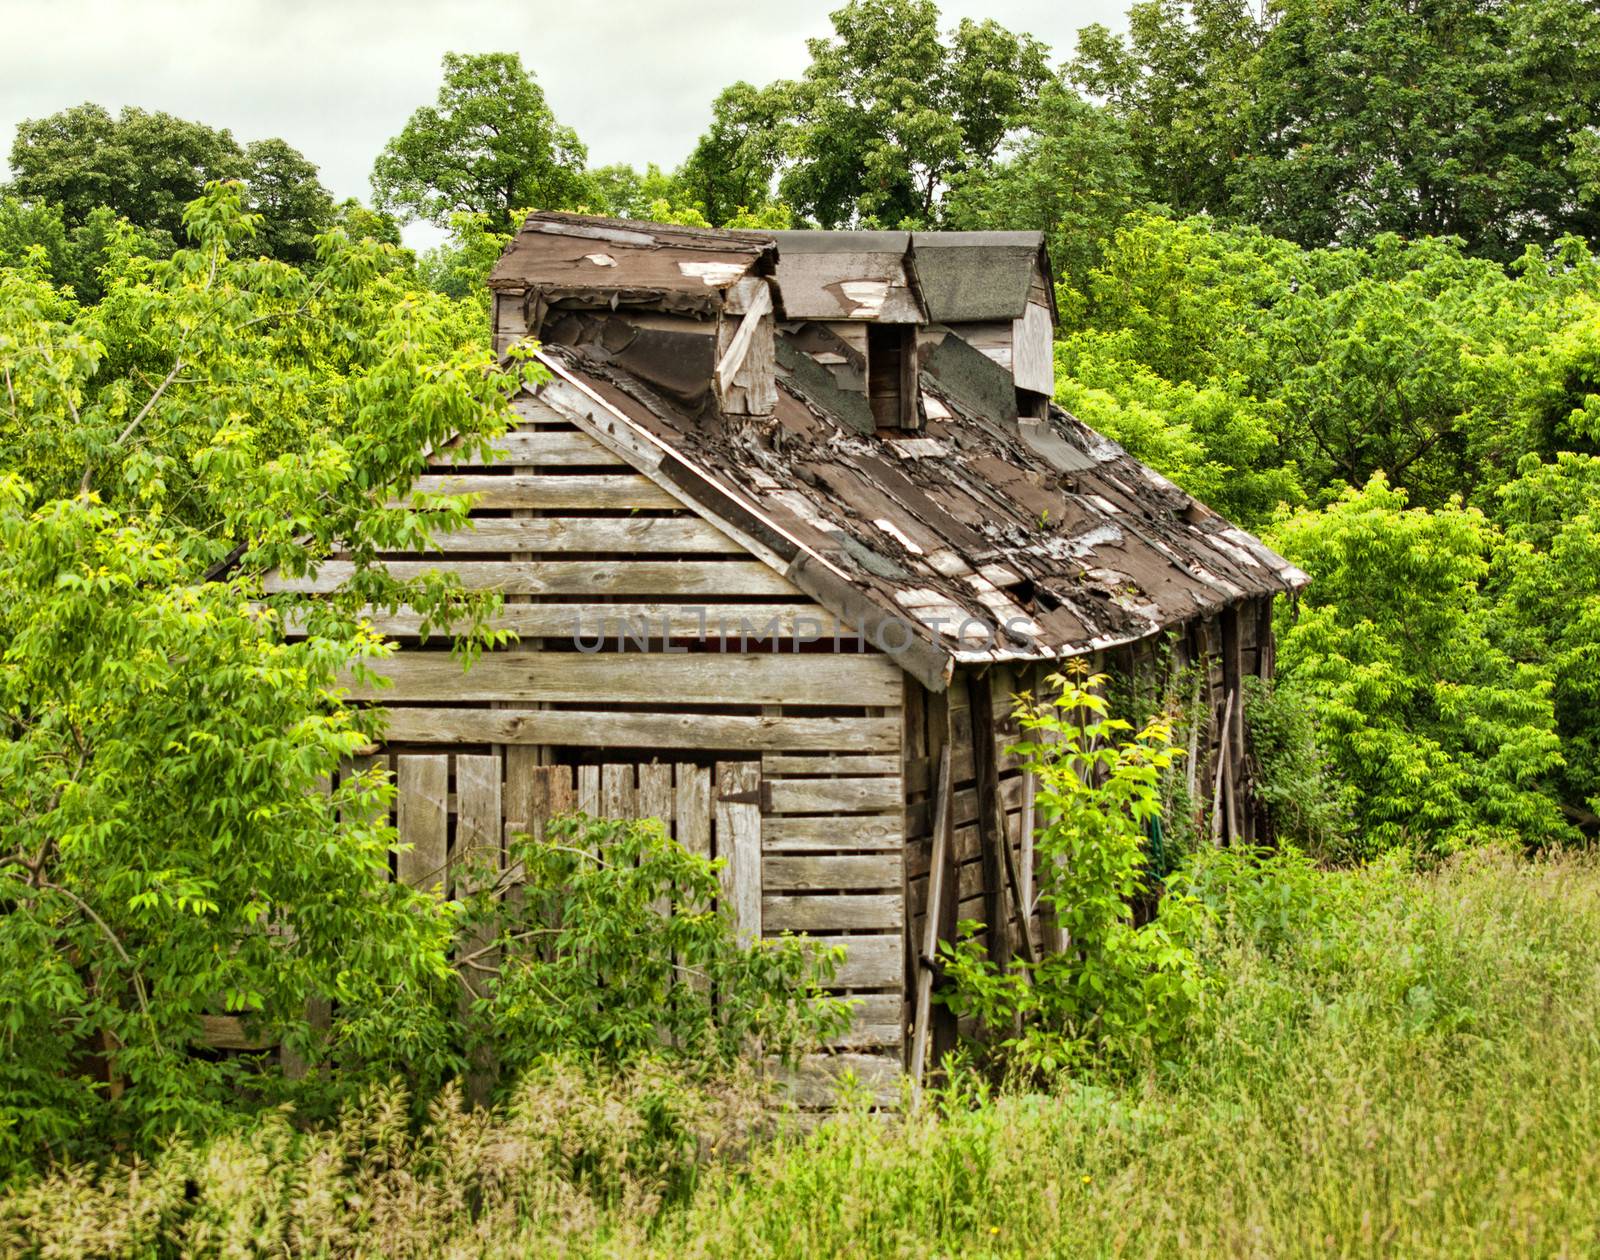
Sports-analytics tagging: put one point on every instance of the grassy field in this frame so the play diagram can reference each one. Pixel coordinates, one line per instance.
(1391, 1063)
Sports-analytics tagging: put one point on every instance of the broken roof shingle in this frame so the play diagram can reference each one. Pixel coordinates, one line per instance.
(981, 538)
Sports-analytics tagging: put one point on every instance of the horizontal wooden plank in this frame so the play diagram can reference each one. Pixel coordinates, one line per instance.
(756, 625)
(551, 491)
(227, 1032)
(857, 832)
(835, 796)
(837, 766)
(677, 535)
(790, 873)
(878, 1020)
(557, 449)
(870, 962)
(816, 1081)
(847, 912)
(638, 678)
(605, 729)
(568, 577)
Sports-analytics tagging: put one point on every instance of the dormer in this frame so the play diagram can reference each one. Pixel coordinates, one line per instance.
(688, 310)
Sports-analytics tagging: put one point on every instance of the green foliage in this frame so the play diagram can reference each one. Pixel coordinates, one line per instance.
(1404, 1080)
(887, 114)
(1548, 581)
(1443, 736)
(730, 173)
(167, 851)
(1120, 993)
(572, 1147)
(489, 145)
(147, 167)
(1294, 779)
(1070, 174)
(1255, 373)
(1337, 122)
(167, 855)
(585, 959)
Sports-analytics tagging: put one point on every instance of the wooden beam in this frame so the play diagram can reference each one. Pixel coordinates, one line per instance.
(991, 839)
(841, 912)
(548, 492)
(781, 873)
(733, 358)
(639, 678)
(833, 796)
(681, 578)
(671, 535)
(602, 728)
(552, 449)
(870, 962)
(927, 958)
(834, 834)
(764, 625)
(421, 791)
(737, 793)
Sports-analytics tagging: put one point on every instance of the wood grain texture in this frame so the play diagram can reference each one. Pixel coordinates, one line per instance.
(846, 912)
(479, 811)
(738, 841)
(670, 535)
(549, 449)
(553, 491)
(600, 728)
(835, 796)
(679, 578)
(422, 785)
(854, 832)
(870, 962)
(704, 678)
(840, 764)
(739, 626)
(782, 873)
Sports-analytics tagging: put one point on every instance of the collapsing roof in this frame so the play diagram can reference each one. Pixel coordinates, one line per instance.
(979, 535)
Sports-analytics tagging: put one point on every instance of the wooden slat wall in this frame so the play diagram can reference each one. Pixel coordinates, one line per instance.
(449, 804)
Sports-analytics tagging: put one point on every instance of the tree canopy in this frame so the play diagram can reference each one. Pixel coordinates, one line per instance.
(146, 167)
(490, 144)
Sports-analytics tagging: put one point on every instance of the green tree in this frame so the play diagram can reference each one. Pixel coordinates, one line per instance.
(489, 145)
(147, 166)
(1462, 118)
(1548, 584)
(1336, 122)
(1444, 737)
(294, 206)
(174, 842)
(887, 114)
(1069, 172)
(735, 162)
(1180, 80)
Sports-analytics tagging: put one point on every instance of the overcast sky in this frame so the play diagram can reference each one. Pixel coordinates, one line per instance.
(337, 78)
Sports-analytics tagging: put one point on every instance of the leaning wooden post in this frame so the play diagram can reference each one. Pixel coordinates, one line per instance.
(991, 842)
(927, 959)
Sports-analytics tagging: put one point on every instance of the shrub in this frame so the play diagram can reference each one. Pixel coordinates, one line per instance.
(1118, 992)
(612, 947)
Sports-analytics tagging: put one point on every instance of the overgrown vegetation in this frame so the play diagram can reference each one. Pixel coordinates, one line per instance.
(1401, 1060)
(1330, 270)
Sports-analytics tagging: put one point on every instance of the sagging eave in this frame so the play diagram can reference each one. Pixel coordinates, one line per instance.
(701, 491)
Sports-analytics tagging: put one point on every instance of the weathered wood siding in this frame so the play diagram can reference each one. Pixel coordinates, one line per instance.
(657, 673)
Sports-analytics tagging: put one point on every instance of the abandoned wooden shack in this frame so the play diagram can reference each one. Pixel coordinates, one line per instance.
(792, 521)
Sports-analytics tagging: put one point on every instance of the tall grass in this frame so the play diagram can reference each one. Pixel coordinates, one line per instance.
(1394, 1065)
(1391, 1063)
